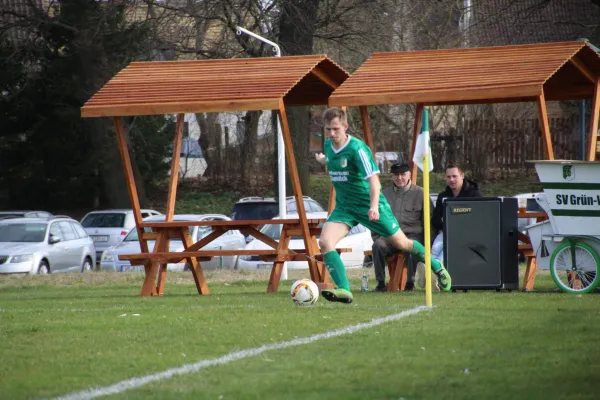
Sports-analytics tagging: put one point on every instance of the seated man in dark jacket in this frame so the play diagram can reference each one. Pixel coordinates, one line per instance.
(458, 186)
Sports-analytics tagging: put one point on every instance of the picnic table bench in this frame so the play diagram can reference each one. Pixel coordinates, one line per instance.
(155, 262)
(526, 248)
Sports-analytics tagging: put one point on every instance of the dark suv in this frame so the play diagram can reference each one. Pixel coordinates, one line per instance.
(249, 208)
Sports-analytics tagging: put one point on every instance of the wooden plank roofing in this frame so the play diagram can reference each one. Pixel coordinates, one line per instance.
(499, 74)
(169, 87)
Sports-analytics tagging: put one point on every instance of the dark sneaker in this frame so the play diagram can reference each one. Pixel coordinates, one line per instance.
(409, 287)
(444, 280)
(380, 288)
(340, 295)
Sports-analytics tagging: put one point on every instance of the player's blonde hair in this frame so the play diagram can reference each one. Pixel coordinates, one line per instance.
(335, 112)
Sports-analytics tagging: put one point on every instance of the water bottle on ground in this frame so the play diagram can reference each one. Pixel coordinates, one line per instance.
(364, 282)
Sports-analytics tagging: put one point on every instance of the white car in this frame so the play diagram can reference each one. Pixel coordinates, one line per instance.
(109, 227)
(358, 239)
(35, 245)
(232, 240)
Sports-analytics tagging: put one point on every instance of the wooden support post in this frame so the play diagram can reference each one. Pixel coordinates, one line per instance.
(545, 127)
(199, 279)
(530, 272)
(174, 178)
(331, 204)
(310, 245)
(275, 277)
(366, 125)
(162, 267)
(149, 287)
(131, 188)
(593, 139)
(416, 131)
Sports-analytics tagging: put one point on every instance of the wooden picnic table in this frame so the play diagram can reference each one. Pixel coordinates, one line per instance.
(527, 250)
(155, 262)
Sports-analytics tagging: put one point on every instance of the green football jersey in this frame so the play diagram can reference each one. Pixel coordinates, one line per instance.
(349, 168)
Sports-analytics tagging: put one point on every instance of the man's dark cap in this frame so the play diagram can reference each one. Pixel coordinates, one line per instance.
(399, 168)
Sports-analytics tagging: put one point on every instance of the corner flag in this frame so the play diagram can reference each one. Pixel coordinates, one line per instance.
(423, 145)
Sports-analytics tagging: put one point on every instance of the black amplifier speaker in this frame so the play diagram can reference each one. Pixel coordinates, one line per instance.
(481, 242)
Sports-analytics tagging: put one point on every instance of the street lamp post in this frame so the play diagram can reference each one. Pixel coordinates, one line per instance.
(280, 148)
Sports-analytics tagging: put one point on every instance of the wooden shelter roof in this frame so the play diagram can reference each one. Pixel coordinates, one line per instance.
(169, 87)
(563, 71)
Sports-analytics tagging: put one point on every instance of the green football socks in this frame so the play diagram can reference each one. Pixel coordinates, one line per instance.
(419, 251)
(336, 269)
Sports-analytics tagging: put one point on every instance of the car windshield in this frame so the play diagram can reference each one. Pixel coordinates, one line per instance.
(533, 205)
(104, 220)
(29, 233)
(248, 211)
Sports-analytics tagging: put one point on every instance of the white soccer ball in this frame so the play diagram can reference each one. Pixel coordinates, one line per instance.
(304, 292)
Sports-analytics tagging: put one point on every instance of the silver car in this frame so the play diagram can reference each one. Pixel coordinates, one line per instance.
(44, 245)
(109, 227)
(232, 240)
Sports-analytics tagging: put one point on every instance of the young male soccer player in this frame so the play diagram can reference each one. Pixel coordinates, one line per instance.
(355, 178)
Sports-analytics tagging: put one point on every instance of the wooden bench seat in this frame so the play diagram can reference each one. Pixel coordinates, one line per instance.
(233, 223)
(207, 255)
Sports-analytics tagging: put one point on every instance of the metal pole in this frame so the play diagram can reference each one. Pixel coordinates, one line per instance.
(280, 148)
(582, 128)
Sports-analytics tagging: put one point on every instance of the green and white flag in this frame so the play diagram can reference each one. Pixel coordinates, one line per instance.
(423, 145)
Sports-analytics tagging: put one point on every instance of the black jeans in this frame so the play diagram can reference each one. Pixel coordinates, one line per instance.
(382, 249)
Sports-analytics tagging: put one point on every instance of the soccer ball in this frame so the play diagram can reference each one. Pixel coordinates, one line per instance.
(304, 292)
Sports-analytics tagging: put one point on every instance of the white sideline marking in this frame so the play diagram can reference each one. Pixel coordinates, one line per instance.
(188, 368)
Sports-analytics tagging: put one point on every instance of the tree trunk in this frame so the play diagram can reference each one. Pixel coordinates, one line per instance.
(248, 148)
(296, 35)
(110, 165)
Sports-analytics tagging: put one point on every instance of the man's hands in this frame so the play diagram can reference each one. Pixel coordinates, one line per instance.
(373, 214)
(321, 158)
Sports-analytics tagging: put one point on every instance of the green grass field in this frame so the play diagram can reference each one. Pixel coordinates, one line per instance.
(67, 333)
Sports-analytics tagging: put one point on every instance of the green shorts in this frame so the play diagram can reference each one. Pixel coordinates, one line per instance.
(385, 226)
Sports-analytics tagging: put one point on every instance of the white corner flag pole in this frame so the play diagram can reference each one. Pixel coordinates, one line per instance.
(423, 160)
(427, 233)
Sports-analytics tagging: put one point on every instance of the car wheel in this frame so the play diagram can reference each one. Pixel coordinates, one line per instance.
(43, 268)
(87, 265)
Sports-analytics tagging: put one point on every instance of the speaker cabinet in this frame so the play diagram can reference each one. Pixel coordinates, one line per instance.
(481, 242)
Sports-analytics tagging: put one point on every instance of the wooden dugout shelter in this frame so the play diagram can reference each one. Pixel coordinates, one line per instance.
(501, 74)
(178, 87)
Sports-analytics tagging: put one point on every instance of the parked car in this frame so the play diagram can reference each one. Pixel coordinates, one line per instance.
(249, 208)
(232, 240)
(109, 227)
(44, 245)
(528, 202)
(359, 239)
(24, 214)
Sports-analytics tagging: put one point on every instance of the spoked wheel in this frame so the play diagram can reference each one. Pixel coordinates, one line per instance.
(575, 267)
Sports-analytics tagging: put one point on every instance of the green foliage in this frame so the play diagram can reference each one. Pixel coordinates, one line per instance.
(50, 155)
(77, 332)
(151, 138)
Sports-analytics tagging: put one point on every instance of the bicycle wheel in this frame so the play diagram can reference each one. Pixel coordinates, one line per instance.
(575, 267)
